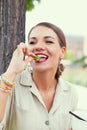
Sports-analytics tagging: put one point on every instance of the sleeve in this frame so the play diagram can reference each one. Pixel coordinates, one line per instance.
(3, 122)
(75, 98)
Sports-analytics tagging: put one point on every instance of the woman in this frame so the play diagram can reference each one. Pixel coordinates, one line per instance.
(40, 99)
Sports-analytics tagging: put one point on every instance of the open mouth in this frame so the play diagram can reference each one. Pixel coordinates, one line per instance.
(40, 57)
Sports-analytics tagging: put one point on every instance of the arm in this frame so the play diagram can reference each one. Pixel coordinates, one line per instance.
(4, 95)
(16, 65)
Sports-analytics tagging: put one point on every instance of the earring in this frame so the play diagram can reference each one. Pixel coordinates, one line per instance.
(59, 67)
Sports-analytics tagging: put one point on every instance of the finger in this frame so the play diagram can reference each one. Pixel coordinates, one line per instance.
(31, 54)
(23, 48)
(20, 44)
(28, 59)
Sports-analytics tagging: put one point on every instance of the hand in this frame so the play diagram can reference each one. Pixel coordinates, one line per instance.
(18, 63)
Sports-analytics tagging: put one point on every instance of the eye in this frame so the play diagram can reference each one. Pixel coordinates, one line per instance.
(32, 42)
(49, 41)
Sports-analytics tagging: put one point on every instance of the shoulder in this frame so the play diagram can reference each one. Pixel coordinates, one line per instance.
(69, 87)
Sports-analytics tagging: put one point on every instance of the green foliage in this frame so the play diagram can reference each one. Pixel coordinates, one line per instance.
(76, 76)
(77, 71)
(69, 55)
(30, 4)
(82, 61)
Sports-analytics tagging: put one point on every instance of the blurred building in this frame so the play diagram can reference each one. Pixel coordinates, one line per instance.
(85, 45)
(76, 45)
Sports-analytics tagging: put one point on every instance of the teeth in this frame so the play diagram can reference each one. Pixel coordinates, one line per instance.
(42, 56)
(39, 56)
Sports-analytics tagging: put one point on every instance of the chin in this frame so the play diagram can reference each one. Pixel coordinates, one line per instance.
(42, 69)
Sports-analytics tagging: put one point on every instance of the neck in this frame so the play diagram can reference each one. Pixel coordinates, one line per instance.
(45, 80)
(46, 84)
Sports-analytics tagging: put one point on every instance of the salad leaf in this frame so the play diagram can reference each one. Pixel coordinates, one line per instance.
(37, 58)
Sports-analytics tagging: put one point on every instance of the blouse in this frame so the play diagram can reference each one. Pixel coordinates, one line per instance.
(26, 110)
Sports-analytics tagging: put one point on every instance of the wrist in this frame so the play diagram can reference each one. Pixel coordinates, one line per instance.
(5, 84)
(10, 76)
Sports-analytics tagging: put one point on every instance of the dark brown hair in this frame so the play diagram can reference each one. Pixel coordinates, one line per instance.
(61, 38)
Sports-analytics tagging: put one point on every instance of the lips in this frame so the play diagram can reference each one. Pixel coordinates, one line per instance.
(43, 57)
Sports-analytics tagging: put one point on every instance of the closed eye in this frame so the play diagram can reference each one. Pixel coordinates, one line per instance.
(49, 42)
(32, 42)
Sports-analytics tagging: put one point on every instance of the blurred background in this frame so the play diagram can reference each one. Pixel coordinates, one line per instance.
(70, 16)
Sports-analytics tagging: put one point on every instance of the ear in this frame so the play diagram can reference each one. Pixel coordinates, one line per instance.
(63, 51)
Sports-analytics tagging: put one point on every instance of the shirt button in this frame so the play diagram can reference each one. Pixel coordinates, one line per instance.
(30, 86)
(46, 122)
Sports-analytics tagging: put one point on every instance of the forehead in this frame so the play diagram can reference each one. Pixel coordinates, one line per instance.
(43, 31)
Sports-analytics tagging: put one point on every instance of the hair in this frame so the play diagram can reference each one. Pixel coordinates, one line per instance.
(62, 42)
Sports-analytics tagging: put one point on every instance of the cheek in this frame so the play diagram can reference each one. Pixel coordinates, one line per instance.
(57, 52)
(56, 55)
(30, 47)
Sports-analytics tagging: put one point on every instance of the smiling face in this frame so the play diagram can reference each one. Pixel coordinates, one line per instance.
(44, 42)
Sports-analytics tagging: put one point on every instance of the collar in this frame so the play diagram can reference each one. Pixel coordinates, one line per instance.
(61, 91)
(26, 80)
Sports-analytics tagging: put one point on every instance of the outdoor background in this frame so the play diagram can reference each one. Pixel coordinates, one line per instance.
(70, 16)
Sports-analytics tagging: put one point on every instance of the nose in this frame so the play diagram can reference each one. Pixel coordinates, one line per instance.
(39, 47)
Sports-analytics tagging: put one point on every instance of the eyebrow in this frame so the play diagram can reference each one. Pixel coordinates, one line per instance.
(44, 37)
(32, 37)
(49, 37)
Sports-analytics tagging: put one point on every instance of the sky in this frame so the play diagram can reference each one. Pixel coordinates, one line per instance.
(69, 15)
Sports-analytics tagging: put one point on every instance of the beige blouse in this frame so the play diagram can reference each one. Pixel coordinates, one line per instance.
(26, 110)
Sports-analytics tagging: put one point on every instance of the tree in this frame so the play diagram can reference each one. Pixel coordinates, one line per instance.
(12, 27)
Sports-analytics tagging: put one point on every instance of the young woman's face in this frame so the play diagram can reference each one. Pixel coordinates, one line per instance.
(43, 42)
